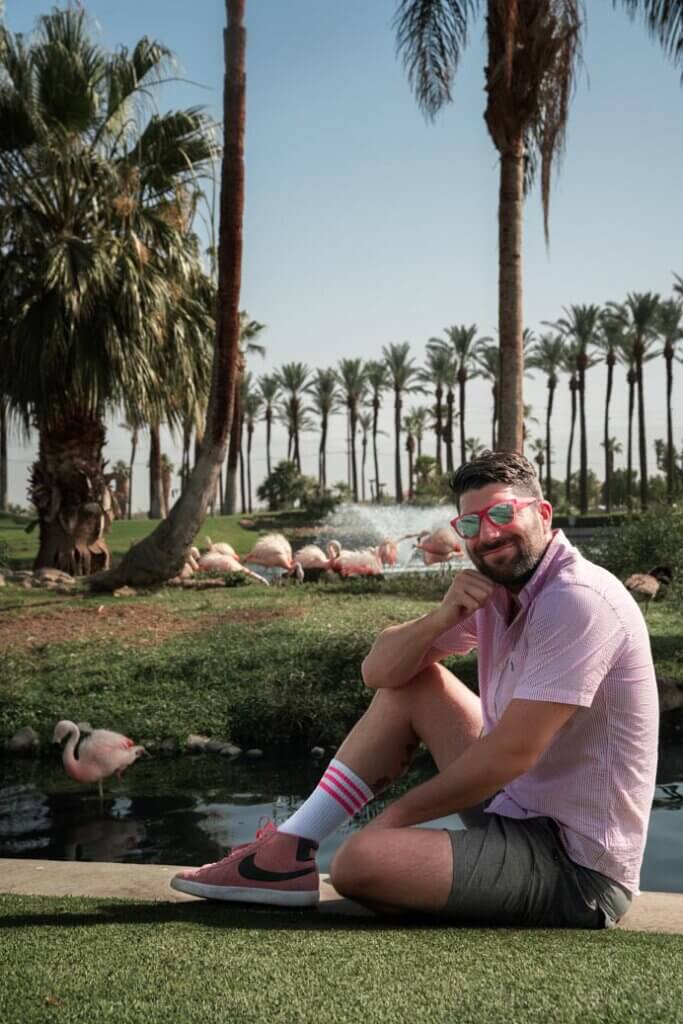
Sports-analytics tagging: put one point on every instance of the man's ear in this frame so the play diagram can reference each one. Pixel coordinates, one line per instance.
(546, 510)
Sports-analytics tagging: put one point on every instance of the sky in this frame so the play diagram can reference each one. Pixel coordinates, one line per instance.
(365, 224)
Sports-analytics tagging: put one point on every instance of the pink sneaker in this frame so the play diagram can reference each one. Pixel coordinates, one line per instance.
(276, 868)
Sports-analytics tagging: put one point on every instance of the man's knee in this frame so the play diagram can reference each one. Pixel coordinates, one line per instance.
(354, 867)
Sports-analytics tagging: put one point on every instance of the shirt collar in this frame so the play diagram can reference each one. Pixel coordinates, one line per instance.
(558, 548)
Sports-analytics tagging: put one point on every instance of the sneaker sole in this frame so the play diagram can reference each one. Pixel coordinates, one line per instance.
(240, 894)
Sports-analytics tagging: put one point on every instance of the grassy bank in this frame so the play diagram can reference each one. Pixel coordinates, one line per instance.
(261, 666)
(77, 960)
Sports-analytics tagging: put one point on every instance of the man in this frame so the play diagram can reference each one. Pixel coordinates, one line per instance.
(552, 767)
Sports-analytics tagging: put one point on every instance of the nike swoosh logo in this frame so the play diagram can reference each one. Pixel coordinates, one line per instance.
(248, 869)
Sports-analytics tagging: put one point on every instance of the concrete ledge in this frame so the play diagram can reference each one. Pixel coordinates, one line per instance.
(650, 912)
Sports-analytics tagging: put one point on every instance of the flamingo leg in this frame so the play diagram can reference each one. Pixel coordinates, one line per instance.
(99, 784)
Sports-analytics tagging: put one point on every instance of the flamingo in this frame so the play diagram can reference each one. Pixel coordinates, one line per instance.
(364, 562)
(215, 561)
(275, 552)
(97, 755)
(440, 545)
(388, 549)
(312, 557)
(222, 548)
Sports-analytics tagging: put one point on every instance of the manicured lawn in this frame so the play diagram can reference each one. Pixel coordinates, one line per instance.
(77, 960)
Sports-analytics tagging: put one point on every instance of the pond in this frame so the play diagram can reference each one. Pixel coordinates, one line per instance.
(188, 810)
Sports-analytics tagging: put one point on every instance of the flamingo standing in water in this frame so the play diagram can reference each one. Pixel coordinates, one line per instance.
(387, 551)
(440, 545)
(97, 755)
(275, 552)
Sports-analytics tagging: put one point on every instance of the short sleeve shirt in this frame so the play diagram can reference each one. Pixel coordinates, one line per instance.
(578, 638)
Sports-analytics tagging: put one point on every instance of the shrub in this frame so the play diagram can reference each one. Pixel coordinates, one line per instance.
(641, 542)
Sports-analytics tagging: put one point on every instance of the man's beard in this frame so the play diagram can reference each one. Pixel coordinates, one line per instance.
(515, 573)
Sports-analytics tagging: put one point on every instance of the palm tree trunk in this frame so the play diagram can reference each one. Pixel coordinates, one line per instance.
(450, 399)
(163, 552)
(548, 446)
(250, 434)
(583, 485)
(269, 423)
(629, 451)
(375, 423)
(642, 440)
(510, 322)
(568, 483)
(410, 472)
(463, 452)
(3, 455)
(234, 448)
(397, 433)
(362, 465)
(669, 427)
(297, 453)
(608, 454)
(352, 448)
(154, 472)
(133, 450)
(70, 492)
(243, 489)
(439, 427)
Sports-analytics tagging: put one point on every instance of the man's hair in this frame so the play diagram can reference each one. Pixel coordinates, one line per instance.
(497, 468)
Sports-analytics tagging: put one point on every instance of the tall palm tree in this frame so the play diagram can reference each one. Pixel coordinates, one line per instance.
(293, 378)
(547, 355)
(580, 327)
(420, 416)
(90, 205)
(569, 366)
(473, 447)
(437, 373)
(640, 314)
(252, 409)
(625, 355)
(533, 49)
(488, 362)
(352, 380)
(365, 423)
(609, 341)
(612, 447)
(538, 448)
(325, 402)
(249, 331)
(463, 345)
(670, 330)
(269, 387)
(404, 379)
(379, 380)
(409, 430)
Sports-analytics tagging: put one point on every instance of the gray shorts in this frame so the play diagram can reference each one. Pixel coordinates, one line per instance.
(515, 872)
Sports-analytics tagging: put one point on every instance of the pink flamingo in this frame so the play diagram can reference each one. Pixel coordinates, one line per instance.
(312, 557)
(441, 545)
(221, 547)
(275, 552)
(364, 562)
(217, 562)
(95, 756)
(388, 549)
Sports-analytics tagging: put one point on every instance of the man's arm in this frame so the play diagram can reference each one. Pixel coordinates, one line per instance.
(400, 652)
(511, 749)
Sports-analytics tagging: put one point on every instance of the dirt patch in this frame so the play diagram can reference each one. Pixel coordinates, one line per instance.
(139, 625)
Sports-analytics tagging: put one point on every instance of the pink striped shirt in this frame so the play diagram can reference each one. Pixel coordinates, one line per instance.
(578, 638)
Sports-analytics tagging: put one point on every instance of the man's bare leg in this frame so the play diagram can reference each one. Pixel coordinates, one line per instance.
(405, 868)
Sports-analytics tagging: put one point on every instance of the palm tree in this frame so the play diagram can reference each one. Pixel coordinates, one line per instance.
(610, 341)
(93, 249)
(580, 328)
(351, 377)
(252, 408)
(249, 330)
(473, 447)
(533, 49)
(437, 373)
(162, 553)
(293, 378)
(612, 447)
(269, 386)
(538, 449)
(488, 362)
(403, 375)
(640, 314)
(323, 392)
(366, 424)
(625, 355)
(420, 416)
(569, 366)
(408, 427)
(670, 330)
(463, 346)
(548, 355)
(378, 378)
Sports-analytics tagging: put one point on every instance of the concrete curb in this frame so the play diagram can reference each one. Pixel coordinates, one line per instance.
(650, 912)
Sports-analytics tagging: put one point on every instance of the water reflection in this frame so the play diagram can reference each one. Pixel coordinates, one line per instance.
(189, 810)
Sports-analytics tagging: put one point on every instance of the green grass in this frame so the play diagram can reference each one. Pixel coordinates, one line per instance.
(78, 960)
(20, 548)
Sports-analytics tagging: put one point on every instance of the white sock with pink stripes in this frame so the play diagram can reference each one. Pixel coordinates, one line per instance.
(338, 796)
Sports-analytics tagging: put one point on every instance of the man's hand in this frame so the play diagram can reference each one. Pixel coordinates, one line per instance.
(469, 591)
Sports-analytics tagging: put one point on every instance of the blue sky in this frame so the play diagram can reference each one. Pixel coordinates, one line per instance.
(365, 224)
